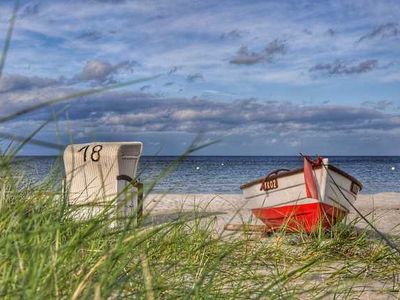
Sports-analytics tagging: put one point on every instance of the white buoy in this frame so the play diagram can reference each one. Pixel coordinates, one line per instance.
(222, 164)
(197, 168)
(393, 168)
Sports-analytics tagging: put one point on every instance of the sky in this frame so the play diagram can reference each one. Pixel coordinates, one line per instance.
(258, 77)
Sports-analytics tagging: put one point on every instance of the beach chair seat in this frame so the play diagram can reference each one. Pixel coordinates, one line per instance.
(102, 176)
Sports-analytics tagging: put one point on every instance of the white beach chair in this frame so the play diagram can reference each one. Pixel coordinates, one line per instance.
(103, 176)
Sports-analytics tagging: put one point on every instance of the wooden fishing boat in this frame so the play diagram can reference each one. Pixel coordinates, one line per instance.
(305, 199)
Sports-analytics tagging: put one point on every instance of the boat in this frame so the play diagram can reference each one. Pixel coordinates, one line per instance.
(306, 199)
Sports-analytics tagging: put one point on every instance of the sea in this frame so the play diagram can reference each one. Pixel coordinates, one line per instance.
(225, 174)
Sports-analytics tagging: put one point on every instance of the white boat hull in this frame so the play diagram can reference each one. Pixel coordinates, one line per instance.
(336, 192)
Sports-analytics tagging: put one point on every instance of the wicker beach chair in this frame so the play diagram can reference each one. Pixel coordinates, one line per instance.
(101, 178)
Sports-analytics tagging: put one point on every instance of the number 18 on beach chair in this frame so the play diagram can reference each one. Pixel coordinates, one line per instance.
(100, 178)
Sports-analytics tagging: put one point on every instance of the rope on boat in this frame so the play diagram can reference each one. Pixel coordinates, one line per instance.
(381, 235)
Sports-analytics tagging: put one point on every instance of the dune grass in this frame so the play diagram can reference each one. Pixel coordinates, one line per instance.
(45, 254)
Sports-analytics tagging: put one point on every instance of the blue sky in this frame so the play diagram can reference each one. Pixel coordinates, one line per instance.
(266, 77)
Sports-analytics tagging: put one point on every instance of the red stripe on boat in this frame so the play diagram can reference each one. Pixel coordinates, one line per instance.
(309, 178)
(300, 218)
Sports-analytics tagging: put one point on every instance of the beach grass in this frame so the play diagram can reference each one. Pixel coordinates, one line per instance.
(46, 254)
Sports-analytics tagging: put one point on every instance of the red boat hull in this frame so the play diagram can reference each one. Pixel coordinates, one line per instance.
(306, 218)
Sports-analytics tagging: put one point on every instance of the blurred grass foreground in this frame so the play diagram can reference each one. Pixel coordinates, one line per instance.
(45, 254)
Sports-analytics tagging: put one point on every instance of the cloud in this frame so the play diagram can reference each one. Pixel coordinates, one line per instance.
(16, 82)
(231, 35)
(194, 77)
(378, 105)
(245, 57)
(331, 32)
(180, 39)
(110, 114)
(107, 1)
(145, 112)
(102, 72)
(275, 47)
(30, 9)
(341, 68)
(383, 31)
(173, 70)
(90, 35)
(145, 87)
(94, 71)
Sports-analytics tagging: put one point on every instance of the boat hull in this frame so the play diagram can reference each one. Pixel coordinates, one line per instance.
(306, 218)
(286, 205)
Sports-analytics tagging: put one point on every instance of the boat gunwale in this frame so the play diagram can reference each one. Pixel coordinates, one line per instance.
(301, 170)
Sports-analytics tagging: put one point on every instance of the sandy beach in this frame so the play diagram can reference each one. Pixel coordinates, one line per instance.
(382, 209)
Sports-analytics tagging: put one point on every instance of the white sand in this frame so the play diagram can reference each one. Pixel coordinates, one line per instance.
(382, 209)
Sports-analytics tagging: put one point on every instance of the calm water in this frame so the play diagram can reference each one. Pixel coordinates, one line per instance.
(219, 174)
